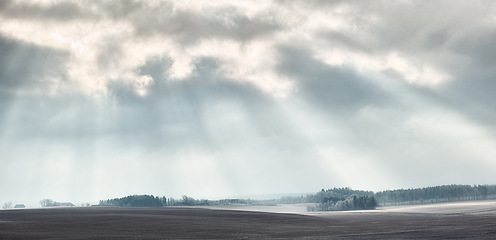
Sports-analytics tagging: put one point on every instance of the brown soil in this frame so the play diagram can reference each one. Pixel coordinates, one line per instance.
(199, 223)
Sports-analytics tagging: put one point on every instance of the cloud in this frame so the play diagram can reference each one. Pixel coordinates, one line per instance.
(46, 10)
(188, 25)
(121, 37)
(239, 98)
(338, 89)
(26, 68)
(111, 39)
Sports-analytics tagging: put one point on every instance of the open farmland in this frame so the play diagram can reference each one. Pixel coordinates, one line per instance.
(443, 221)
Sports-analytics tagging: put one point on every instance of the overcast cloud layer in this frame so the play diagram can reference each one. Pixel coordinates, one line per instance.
(212, 99)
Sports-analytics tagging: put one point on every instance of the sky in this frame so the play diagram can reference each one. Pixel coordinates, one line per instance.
(218, 99)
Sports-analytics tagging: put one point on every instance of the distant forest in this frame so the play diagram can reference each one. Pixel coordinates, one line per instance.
(136, 201)
(155, 201)
(330, 199)
(446, 193)
(335, 199)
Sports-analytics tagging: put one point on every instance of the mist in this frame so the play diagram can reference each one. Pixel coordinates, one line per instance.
(223, 99)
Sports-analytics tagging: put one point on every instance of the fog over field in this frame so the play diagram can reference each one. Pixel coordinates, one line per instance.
(217, 99)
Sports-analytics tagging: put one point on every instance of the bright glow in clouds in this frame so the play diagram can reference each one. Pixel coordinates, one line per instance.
(105, 49)
(101, 99)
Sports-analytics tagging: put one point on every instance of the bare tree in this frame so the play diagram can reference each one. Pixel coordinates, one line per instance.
(46, 202)
(7, 205)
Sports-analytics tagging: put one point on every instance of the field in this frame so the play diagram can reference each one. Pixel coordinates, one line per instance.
(474, 220)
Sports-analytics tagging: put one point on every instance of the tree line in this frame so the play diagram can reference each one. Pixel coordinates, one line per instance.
(346, 204)
(338, 199)
(155, 201)
(135, 201)
(335, 199)
(437, 194)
